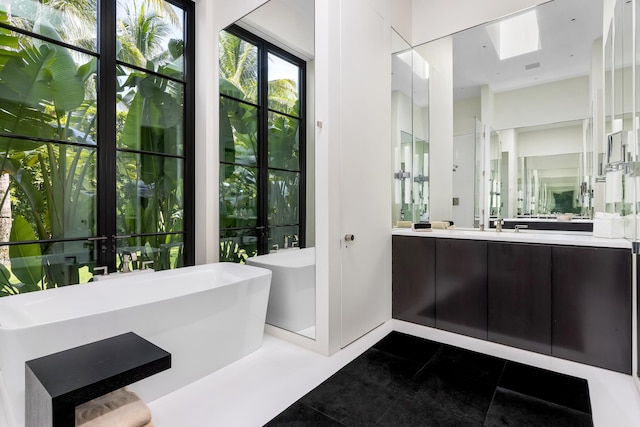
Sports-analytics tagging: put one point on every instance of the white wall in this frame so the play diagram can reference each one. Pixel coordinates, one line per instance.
(464, 179)
(464, 113)
(555, 102)
(402, 19)
(548, 142)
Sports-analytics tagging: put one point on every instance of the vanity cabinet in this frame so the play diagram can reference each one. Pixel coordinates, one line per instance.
(572, 302)
(461, 290)
(592, 306)
(413, 272)
(519, 295)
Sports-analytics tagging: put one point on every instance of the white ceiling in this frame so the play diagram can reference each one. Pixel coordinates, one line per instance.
(568, 29)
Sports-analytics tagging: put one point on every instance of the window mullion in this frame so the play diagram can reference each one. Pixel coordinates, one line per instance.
(106, 129)
(263, 149)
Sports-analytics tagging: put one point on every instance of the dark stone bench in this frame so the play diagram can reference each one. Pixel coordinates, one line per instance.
(57, 383)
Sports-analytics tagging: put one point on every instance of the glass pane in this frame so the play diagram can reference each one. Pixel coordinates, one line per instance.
(150, 35)
(238, 245)
(238, 132)
(33, 267)
(283, 198)
(72, 22)
(283, 238)
(238, 197)
(284, 142)
(284, 91)
(149, 113)
(149, 194)
(52, 193)
(238, 62)
(154, 252)
(46, 91)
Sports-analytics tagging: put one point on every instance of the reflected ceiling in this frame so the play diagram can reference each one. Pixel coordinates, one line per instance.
(568, 29)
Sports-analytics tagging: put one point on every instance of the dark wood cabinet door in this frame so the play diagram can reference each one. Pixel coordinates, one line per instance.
(413, 272)
(519, 295)
(461, 294)
(591, 300)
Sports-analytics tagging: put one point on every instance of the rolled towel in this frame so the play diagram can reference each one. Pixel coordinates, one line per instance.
(440, 225)
(120, 408)
(421, 226)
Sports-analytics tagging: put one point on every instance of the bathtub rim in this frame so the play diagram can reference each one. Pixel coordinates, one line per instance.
(115, 284)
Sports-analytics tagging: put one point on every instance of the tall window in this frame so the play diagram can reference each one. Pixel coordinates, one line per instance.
(262, 147)
(96, 138)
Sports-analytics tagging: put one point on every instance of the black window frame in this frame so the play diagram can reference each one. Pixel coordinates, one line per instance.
(262, 227)
(106, 43)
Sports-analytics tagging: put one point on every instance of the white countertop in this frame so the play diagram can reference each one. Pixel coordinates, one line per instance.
(524, 236)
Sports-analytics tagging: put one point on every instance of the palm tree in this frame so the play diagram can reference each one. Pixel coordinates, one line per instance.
(143, 34)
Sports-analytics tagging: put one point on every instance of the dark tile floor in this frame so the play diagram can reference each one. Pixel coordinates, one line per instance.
(409, 381)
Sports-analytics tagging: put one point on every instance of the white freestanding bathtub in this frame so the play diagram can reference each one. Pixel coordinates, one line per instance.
(292, 300)
(206, 316)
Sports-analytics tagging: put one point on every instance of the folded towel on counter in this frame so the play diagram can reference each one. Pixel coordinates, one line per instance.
(120, 408)
(403, 224)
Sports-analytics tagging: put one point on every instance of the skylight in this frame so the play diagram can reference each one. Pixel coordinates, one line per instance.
(515, 36)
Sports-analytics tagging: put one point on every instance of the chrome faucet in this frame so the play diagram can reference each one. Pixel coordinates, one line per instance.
(519, 226)
(291, 241)
(499, 222)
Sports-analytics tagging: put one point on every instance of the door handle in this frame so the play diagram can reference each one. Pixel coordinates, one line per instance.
(349, 237)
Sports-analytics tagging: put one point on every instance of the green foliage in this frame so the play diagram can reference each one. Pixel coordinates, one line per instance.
(49, 93)
(231, 252)
(26, 260)
(239, 146)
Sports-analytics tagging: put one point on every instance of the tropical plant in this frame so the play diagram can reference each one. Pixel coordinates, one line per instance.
(48, 94)
(43, 93)
(150, 186)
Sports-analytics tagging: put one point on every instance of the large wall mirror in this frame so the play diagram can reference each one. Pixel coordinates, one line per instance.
(267, 155)
(525, 90)
(531, 79)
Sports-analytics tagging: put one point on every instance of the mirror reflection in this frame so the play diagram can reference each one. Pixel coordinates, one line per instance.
(528, 102)
(267, 154)
(410, 132)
